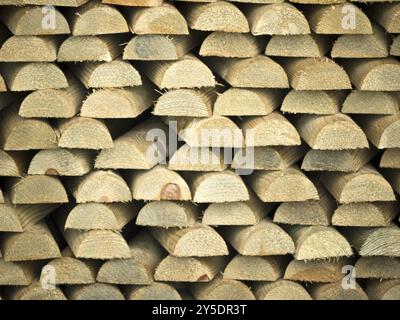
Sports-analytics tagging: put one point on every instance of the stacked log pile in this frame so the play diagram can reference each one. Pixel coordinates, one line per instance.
(243, 149)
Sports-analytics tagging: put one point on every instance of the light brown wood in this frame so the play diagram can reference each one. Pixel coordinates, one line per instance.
(187, 72)
(337, 160)
(102, 186)
(302, 45)
(92, 48)
(162, 19)
(280, 290)
(365, 185)
(30, 76)
(217, 187)
(330, 19)
(135, 3)
(387, 16)
(14, 164)
(383, 290)
(247, 102)
(136, 149)
(319, 242)
(325, 270)
(331, 132)
(35, 292)
(139, 269)
(262, 239)
(63, 3)
(285, 185)
(379, 241)
(377, 267)
(247, 268)
(222, 289)
(216, 16)
(395, 47)
(313, 101)
(35, 243)
(371, 102)
(158, 183)
(155, 291)
(276, 19)
(316, 74)
(168, 214)
(390, 159)
(271, 130)
(365, 214)
(256, 72)
(335, 291)
(114, 74)
(34, 20)
(195, 241)
(189, 269)
(95, 291)
(17, 273)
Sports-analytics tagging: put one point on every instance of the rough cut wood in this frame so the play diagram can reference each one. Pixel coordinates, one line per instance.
(100, 216)
(61, 3)
(102, 186)
(326, 270)
(30, 48)
(267, 158)
(17, 133)
(54, 103)
(247, 268)
(94, 18)
(30, 76)
(285, 185)
(271, 130)
(262, 239)
(91, 48)
(135, 149)
(189, 269)
(303, 45)
(114, 74)
(95, 291)
(17, 273)
(313, 101)
(83, 133)
(365, 185)
(383, 290)
(187, 72)
(35, 243)
(222, 289)
(61, 162)
(152, 47)
(378, 267)
(231, 45)
(33, 20)
(162, 19)
(217, 16)
(167, 214)
(70, 270)
(331, 132)
(319, 242)
(155, 291)
(36, 190)
(217, 187)
(146, 256)
(375, 74)
(336, 291)
(379, 241)
(135, 3)
(331, 19)
(337, 160)
(35, 292)
(390, 159)
(195, 241)
(316, 74)
(395, 47)
(186, 103)
(247, 102)
(280, 290)
(371, 102)
(237, 213)
(362, 46)
(311, 212)
(14, 164)
(9, 221)
(276, 19)
(158, 183)
(387, 16)
(367, 214)
(256, 72)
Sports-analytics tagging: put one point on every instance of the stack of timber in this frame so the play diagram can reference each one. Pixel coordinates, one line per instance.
(191, 149)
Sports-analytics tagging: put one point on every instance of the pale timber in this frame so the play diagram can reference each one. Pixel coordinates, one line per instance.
(371, 102)
(280, 290)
